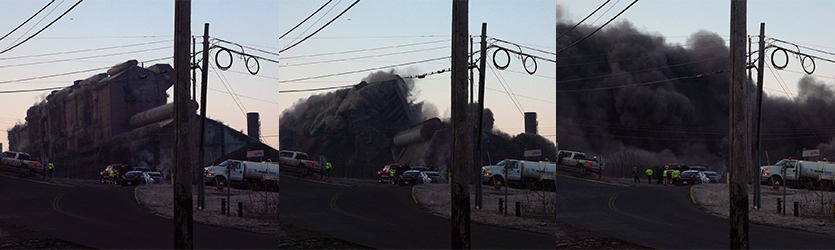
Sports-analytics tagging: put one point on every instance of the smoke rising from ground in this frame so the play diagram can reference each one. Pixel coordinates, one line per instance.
(668, 103)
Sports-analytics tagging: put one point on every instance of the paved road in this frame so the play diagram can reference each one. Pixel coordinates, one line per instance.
(664, 217)
(385, 217)
(106, 217)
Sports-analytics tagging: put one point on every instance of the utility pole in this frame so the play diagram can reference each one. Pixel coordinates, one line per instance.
(738, 187)
(482, 64)
(461, 131)
(201, 190)
(183, 143)
(757, 159)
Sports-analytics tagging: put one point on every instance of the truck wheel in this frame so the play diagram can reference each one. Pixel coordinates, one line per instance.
(775, 180)
(496, 181)
(217, 181)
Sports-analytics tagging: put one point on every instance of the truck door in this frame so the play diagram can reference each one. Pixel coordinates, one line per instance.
(236, 171)
(791, 170)
(514, 171)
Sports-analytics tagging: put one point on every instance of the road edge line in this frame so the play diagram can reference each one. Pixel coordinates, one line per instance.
(693, 200)
(142, 205)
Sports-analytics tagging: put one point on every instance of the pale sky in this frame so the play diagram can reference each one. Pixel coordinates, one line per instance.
(377, 33)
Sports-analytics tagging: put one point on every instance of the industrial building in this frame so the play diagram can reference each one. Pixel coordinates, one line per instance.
(120, 116)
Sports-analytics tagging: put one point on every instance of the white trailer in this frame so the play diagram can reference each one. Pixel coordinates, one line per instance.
(243, 172)
(799, 173)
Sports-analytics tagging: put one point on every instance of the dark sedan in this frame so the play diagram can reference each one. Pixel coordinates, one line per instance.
(132, 178)
(410, 177)
(691, 177)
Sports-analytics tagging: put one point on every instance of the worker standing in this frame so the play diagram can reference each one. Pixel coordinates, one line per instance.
(112, 177)
(328, 169)
(675, 176)
(391, 176)
(649, 175)
(666, 178)
(49, 170)
(635, 175)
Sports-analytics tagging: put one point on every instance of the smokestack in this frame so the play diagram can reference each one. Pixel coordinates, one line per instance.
(530, 123)
(253, 125)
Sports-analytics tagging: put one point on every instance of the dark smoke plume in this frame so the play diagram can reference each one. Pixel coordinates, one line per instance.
(626, 92)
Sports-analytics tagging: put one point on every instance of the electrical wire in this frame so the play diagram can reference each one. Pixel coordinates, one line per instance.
(362, 50)
(305, 20)
(228, 87)
(42, 29)
(29, 90)
(84, 50)
(598, 28)
(86, 57)
(27, 20)
(581, 21)
(247, 97)
(320, 29)
(364, 70)
(364, 57)
(643, 83)
(605, 12)
(72, 73)
(509, 93)
(315, 89)
(805, 120)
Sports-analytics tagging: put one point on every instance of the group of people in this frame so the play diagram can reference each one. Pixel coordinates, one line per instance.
(665, 175)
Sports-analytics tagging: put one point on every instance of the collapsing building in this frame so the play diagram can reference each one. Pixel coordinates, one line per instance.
(374, 123)
(120, 116)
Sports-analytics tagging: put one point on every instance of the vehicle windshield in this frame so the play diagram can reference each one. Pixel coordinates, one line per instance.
(432, 174)
(225, 163)
(502, 163)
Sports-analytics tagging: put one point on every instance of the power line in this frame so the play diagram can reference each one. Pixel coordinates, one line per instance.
(643, 83)
(314, 89)
(364, 57)
(228, 89)
(598, 28)
(29, 90)
(506, 88)
(73, 72)
(364, 70)
(82, 58)
(362, 50)
(27, 20)
(581, 21)
(84, 50)
(320, 29)
(42, 29)
(305, 20)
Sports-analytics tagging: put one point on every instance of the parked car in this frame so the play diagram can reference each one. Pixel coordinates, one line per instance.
(120, 169)
(410, 177)
(691, 177)
(713, 176)
(420, 168)
(434, 177)
(132, 178)
(156, 176)
(699, 168)
(143, 169)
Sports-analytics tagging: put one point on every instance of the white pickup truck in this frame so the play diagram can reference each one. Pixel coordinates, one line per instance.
(578, 162)
(22, 163)
(248, 173)
(299, 162)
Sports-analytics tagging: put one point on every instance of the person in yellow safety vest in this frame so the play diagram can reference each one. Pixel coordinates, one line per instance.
(666, 177)
(112, 177)
(391, 176)
(649, 175)
(49, 171)
(328, 169)
(675, 176)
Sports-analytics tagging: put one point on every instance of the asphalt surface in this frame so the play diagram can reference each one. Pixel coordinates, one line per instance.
(385, 217)
(106, 217)
(664, 217)
(656, 216)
